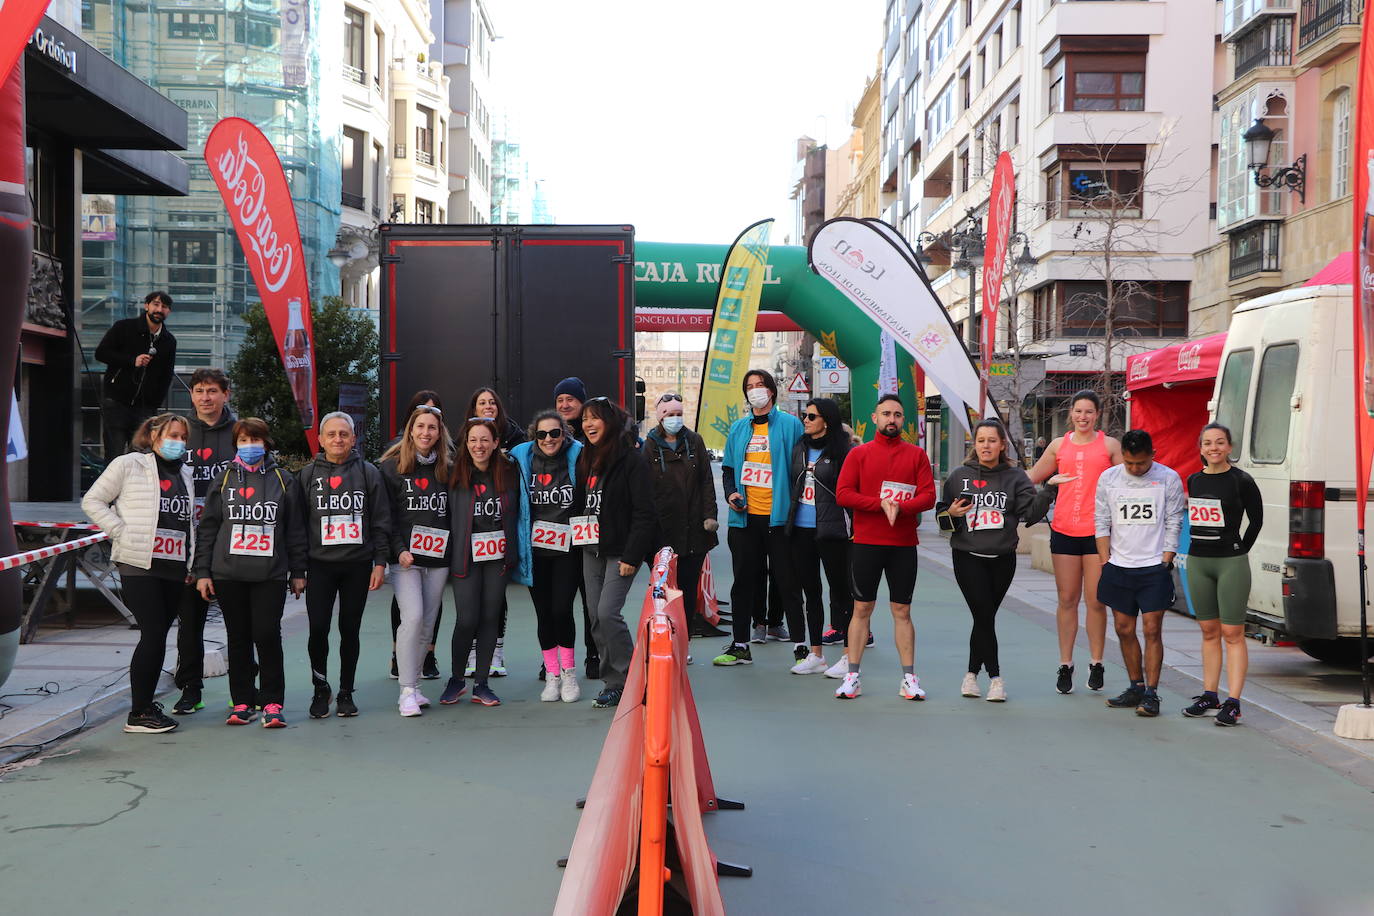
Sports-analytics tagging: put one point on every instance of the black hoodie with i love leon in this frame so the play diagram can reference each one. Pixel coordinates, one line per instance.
(347, 511)
(1003, 497)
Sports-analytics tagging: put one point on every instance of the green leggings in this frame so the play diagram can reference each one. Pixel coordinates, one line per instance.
(1219, 587)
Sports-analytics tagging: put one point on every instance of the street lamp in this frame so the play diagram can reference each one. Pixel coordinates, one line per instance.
(1258, 141)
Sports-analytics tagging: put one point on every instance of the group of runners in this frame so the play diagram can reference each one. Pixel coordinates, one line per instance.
(575, 503)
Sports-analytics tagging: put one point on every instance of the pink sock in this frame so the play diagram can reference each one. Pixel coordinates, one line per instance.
(551, 662)
(565, 659)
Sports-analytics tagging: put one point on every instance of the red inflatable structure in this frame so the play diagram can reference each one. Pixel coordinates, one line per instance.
(1169, 390)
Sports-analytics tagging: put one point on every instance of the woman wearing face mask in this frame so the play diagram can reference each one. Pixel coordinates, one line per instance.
(143, 501)
(684, 500)
(489, 516)
(416, 471)
(819, 529)
(614, 527)
(250, 540)
(548, 469)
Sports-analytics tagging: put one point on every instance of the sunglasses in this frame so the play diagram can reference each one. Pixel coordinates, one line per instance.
(548, 434)
(490, 420)
(425, 408)
(670, 396)
(811, 416)
(601, 399)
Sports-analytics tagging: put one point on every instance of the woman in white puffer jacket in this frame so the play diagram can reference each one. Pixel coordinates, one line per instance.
(143, 501)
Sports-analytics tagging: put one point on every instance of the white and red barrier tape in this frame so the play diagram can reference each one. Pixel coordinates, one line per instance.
(43, 553)
(87, 526)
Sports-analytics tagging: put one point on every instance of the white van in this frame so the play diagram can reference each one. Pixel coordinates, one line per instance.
(1286, 391)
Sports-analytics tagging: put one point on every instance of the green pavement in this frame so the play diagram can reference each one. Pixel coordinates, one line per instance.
(878, 806)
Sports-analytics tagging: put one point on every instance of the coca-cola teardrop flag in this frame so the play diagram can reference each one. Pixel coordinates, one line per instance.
(18, 19)
(1000, 204)
(1362, 164)
(249, 176)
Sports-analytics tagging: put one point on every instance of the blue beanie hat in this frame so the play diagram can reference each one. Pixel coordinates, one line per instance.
(573, 386)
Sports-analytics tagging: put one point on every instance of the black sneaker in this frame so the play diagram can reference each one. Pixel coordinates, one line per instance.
(593, 668)
(395, 675)
(344, 705)
(868, 643)
(454, 690)
(1128, 699)
(543, 672)
(1202, 705)
(319, 704)
(189, 703)
(608, 698)
(700, 627)
(800, 652)
(430, 669)
(733, 655)
(1064, 681)
(1148, 706)
(1229, 714)
(149, 721)
(1097, 675)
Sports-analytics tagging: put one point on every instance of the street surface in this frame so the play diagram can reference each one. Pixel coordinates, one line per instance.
(1044, 804)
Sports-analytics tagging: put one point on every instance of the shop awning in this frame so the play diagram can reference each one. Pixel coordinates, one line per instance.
(1340, 270)
(1191, 361)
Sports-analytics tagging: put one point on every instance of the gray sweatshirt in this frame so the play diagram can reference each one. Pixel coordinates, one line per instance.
(1003, 497)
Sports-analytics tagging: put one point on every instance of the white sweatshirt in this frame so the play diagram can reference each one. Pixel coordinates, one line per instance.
(1142, 515)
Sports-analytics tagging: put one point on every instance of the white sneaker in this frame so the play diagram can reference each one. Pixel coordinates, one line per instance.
(812, 664)
(997, 691)
(911, 688)
(970, 686)
(409, 706)
(421, 699)
(850, 688)
(550, 693)
(568, 689)
(498, 661)
(839, 669)
(472, 663)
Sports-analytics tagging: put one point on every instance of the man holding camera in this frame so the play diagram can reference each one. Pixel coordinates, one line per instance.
(139, 355)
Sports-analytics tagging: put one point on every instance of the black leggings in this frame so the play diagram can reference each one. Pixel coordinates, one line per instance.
(809, 554)
(154, 603)
(191, 640)
(396, 623)
(348, 582)
(689, 581)
(752, 548)
(556, 577)
(252, 621)
(477, 601)
(984, 582)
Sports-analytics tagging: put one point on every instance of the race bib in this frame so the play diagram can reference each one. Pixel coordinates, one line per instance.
(757, 444)
(1136, 509)
(808, 493)
(197, 507)
(341, 529)
(428, 542)
(488, 545)
(252, 540)
(1205, 513)
(756, 474)
(169, 544)
(586, 530)
(897, 492)
(985, 520)
(551, 536)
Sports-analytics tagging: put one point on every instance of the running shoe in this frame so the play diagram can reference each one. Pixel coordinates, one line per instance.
(471, 668)
(592, 669)
(760, 635)
(911, 688)
(970, 686)
(498, 661)
(272, 717)
(997, 691)
(1128, 699)
(421, 699)
(734, 655)
(799, 652)
(189, 703)
(454, 691)
(1063, 682)
(543, 672)
(483, 694)
(241, 714)
(408, 705)
(569, 691)
(812, 664)
(149, 721)
(778, 634)
(1229, 714)
(832, 637)
(1097, 675)
(608, 698)
(552, 690)
(1202, 704)
(344, 706)
(1149, 706)
(851, 687)
(395, 672)
(319, 703)
(702, 627)
(839, 669)
(868, 643)
(430, 669)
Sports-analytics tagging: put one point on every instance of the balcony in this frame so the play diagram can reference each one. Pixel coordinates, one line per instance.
(354, 74)
(424, 157)
(894, 41)
(1319, 18)
(356, 201)
(1268, 44)
(1255, 249)
(1241, 14)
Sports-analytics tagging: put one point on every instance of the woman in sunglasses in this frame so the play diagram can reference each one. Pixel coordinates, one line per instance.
(548, 470)
(685, 500)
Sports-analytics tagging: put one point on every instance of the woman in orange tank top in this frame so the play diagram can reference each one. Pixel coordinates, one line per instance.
(1076, 461)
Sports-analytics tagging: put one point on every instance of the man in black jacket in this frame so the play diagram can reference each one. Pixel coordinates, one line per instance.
(138, 354)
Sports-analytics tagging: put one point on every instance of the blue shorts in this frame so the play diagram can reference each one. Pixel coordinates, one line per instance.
(1136, 591)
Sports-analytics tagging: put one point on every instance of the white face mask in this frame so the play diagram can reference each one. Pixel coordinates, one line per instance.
(759, 398)
(673, 425)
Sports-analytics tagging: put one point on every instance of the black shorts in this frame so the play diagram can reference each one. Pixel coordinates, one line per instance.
(1136, 591)
(868, 563)
(1072, 546)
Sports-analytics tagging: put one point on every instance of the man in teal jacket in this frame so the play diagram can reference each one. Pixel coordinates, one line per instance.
(755, 475)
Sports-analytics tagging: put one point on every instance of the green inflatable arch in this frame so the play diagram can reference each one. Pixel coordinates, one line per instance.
(685, 276)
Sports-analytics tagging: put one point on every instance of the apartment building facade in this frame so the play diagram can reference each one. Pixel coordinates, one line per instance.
(464, 37)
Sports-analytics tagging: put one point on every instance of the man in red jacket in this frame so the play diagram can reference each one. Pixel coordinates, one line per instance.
(888, 483)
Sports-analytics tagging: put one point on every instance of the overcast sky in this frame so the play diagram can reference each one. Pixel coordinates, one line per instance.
(678, 117)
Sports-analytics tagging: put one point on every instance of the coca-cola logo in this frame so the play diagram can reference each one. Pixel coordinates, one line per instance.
(1366, 280)
(1140, 368)
(1190, 358)
(293, 361)
(246, 189)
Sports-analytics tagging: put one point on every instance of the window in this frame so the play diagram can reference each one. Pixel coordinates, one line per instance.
(42, 179)
(1238, 199)
(940, 114)
(1098, 82)
(195, 248)
(379, 38)
(941, 40)
(1234, 396)
(424, 211)
(254, 32)
(424, 134)
(965, 90)
(354, 143)
(196, 26)
(1043, 320)
(442, 218)
(378, 179)
(1094, 189)
(398, 127)
(962, 167)
(1340, 145)
(1145, 308)
(355, 44)
(1273, 412)
(398, 207)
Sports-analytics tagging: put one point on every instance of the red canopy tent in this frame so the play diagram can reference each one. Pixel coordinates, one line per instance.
(1340, 270)
(1169, 390)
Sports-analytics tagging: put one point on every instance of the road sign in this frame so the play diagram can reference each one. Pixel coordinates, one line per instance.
(798, 386)
(830, 381)
(1001, 369)
(1078, 349)
(831, 362)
